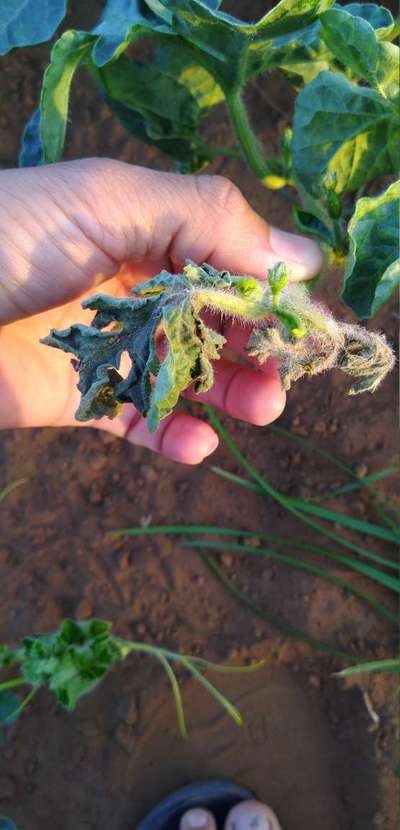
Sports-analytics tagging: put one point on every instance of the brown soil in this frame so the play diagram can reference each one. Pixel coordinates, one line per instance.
(308, 746)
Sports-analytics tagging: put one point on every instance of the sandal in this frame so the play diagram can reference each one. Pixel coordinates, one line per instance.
(216, 796)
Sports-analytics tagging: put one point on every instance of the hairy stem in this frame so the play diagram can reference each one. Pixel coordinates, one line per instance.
(254, 307)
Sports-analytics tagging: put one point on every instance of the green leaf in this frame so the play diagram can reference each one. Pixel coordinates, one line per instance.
(191, 347)
(289, 16)
(231, 47)
(377, 16)
(314, 226)
(352, 41)
(390, 32)
(122, 22)
(166, 106)
(387, 75)
(178, 61)
(70, 662)
(189, 157)
(355, 43)
(156, 108)
(341, 129)
(31, 150)
(373, 267)
(27, 22)
(380, 18)
(302, 55)
(67, 54)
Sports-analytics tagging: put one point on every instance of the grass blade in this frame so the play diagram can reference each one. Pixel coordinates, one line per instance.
(269, 490)
(359, 525)
(180, 713)
(190, 662)
(17, 712)
(12, 684)
(218, 667)
(272, 619)
(354, 564)
(10, 487)
(375, 665)
(351, 522)
(235, 479)
(297, 564)
(222, 700)
(311, 447)
(379, 475)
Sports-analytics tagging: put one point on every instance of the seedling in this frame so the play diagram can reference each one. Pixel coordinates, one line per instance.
(72, 661)
(287, 325)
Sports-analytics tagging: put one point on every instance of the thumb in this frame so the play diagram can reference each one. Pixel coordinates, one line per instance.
(235, 238)
(204, 218)
(67, 227)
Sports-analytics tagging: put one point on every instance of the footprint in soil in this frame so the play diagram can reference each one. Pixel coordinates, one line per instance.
(285, 752)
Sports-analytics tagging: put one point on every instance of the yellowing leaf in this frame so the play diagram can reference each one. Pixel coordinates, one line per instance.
(344, 129)
(67, 54)
(373, 268)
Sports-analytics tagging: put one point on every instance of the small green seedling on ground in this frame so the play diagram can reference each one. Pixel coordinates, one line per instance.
(287, 325)
(72, 661)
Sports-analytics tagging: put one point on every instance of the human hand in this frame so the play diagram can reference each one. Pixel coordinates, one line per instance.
(66, 228)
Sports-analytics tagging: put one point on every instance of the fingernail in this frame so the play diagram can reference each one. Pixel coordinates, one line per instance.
(196, 819)
(252, 822)
(211, 445)
(302, 256)
(251, 815)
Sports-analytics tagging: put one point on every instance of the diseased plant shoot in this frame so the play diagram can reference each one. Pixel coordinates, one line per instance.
(303, 336)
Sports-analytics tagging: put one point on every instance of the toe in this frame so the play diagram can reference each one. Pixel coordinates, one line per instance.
(197, 819)
(251, 815)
